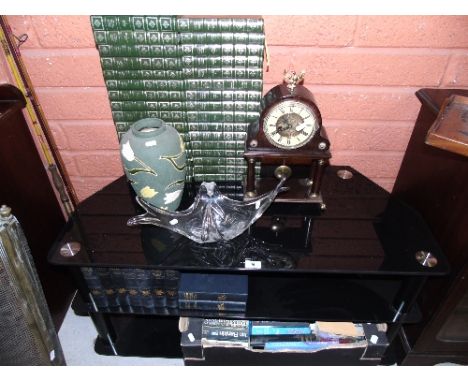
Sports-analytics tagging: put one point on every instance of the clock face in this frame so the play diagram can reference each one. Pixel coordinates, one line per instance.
(290, 124)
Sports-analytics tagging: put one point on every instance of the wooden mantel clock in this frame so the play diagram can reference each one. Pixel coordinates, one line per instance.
(289, 141)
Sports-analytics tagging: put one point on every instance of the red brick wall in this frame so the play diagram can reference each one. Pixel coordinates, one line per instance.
(363, 70)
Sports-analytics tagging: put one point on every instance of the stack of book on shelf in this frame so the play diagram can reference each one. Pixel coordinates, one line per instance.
(306, 337)
(213, 294)
(235, 342)
(225, 333)
(203, 76)
(132, 290)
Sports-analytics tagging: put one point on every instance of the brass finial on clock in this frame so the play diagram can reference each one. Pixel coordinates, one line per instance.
(293, 79)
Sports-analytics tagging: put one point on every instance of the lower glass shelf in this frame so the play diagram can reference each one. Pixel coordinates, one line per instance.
(305, 298)
(327, 298)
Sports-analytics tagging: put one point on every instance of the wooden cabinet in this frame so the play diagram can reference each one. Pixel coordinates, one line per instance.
(435, 183)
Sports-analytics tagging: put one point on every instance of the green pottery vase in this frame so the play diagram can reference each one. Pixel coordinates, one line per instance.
(154, 160)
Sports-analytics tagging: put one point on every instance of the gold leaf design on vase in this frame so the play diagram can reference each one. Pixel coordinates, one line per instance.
(148, 192)
(129, 155)
(173, 159)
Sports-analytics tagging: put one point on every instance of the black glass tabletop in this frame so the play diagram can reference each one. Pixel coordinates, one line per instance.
(362, 230)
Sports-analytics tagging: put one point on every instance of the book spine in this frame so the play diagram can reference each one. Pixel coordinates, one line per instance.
(146, 105)
(260, 341)
(107, 50)
(118, 281)
(157, 23)
(225, 330)
(95, 287)
(229, 306)
(219, 25)
(110, 291)
(225, 334)
(142, 84)
(143, 277)
(278, 330)
(147, 95)
(114, 74)
(212, 297)
(157, 288)
(141, 63)
(171, 287)
(125, 37)
(134, 297)
(298, 346)
(129, 116)
(229, 153)
(216, 322)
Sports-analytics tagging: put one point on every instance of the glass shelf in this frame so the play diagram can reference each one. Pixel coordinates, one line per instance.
(302, 298)
(362, 231)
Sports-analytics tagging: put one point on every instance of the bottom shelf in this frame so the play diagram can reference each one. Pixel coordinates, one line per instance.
(267, 343)
(143, 336)
(243, 357)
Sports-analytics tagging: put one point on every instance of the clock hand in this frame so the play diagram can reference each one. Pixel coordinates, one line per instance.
(301, 126)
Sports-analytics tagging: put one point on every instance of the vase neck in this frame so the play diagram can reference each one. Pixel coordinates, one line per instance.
(148, 127)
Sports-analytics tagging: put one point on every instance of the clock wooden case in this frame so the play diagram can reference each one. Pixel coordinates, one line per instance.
(288, 140)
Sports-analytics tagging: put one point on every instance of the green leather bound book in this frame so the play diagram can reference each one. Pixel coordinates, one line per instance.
(141, 74)
(140, 63)
(131, 116)
(157, 23)
(211, 161)
(216, 136)
(173, 85)
(205, 126)
(128, 37)
(219, 25)
(122, 50)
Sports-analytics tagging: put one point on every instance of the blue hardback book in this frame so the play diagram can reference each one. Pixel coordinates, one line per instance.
(274, 328)
(213, 287)
(298, 346)
(271, 330)
(219, 306)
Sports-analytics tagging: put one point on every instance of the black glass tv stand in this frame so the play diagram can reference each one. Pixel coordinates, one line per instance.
(363, 259)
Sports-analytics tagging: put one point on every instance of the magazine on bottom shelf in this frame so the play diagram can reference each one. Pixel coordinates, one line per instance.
(225, 333)
(274, 336)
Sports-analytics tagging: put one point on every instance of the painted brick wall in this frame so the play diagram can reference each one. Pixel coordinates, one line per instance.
(363, 71)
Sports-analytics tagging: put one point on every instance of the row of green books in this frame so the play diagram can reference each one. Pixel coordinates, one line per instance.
(113, 43)
(189, 116)
(143, 71)
(175, 63)
(190, 84)
(158, 23)
(174, 23)
(198, 106)
(227, 95)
